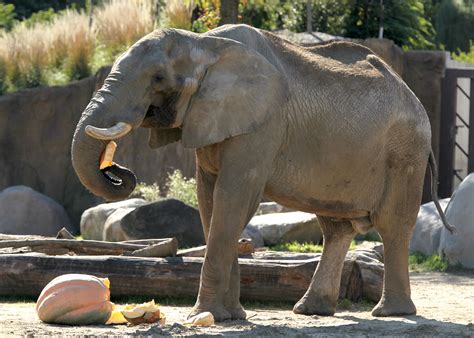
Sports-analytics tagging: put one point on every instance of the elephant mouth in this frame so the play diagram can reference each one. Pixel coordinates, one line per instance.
(159, 117)
(110, 176)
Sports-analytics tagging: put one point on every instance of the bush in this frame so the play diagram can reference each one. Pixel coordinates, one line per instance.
(182, 188)
(150, 193)
(178, 14)
(306, 247)
(420, 263)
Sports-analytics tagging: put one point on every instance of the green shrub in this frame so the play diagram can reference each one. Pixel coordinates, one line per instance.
(182, 188)
(420, 263)
(150, 193)
(7, 16)
(307, 247)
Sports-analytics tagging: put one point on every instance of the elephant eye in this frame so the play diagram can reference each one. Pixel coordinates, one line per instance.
(158, 78)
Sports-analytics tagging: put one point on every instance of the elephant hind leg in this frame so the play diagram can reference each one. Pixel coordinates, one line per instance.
(395, 219)
(323, 292)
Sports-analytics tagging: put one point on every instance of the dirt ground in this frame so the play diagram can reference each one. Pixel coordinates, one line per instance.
(445, 305)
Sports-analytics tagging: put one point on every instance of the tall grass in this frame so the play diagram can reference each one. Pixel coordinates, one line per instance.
(178, 13)
(122, 22)
(71, 45)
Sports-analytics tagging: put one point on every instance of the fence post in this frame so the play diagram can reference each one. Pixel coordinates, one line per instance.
(447, 134)
(470, 163)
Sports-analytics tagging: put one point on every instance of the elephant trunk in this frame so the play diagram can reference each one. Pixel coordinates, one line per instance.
(113, 183)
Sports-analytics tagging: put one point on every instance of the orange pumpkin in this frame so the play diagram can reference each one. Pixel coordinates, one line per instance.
(75, 299)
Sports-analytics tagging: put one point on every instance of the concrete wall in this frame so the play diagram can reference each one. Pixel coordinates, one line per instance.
(36, 129)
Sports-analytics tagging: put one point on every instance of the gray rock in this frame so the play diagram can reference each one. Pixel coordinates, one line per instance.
(271, 208)
(24, 211)
(287, 227)
(93, 219)
(458, 248)
(165, 218)
(254, 234)
(427, 233)
(113, 231)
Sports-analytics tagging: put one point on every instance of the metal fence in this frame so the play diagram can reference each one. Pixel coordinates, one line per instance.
(451, 121)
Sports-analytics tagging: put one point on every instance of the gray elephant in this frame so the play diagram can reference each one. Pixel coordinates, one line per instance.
(330, 130)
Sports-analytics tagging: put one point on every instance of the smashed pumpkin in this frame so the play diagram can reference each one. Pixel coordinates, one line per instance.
(143, 313)
(75, 299)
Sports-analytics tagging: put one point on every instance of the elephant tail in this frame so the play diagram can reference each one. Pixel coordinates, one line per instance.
(434, 193)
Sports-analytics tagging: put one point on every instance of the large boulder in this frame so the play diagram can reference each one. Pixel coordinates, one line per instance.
(24, 211)
(458, 248)
(113, 231)
(427, 232)
(271, 208)
(287, 227)
(93, 219)
(165, 218)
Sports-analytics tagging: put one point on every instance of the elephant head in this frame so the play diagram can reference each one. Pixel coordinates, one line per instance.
(200, 89)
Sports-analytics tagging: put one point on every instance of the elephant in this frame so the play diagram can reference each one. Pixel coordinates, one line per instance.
(329, 129)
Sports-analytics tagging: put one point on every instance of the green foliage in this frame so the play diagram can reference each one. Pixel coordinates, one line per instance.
(182, 188)
(464, 57)
(455, 25)
(150, 193)
(7, 16)
(306, 247)
(421, 263)
(207, 16)
(404, 22)
(40, 16)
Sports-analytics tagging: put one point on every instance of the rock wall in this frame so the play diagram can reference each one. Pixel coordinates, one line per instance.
(36, 129)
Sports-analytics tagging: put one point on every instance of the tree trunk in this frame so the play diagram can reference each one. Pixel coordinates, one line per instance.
(229, 11)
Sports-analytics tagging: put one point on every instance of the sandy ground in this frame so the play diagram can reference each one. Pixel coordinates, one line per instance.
(445, 305)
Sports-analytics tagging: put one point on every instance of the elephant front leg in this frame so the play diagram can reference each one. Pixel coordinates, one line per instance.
(236, 195)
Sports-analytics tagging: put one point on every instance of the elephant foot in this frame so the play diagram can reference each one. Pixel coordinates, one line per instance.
(313, 306)
(219, 312)
(237, 313)
(394, 308)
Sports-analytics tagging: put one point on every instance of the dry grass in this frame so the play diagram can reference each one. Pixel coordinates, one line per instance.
(69, 44)
(122, 22)
(178, 13)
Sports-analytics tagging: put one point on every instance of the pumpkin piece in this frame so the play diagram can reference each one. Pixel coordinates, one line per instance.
(143, 313)
(202, 319)
(116, 317)
(75, 299)
(107, 156)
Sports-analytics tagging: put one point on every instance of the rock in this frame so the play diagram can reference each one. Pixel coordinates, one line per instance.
(93, 219)
(165, 218)
(286, 227)
(457, 248)
(271, 208)
(254, 234)
(427, 232)
(24, 211)
(113, 231)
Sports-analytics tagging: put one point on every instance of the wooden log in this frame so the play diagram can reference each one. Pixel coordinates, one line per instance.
(63, 246)
(262, 280)
(149, 241)
(167, 248)
(64, 234)
(8, 237)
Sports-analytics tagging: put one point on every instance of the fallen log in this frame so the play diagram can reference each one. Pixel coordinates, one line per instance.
(166, 248)
(261, 279)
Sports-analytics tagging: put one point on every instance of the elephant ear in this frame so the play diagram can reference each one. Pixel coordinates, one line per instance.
(238, 92)
(161, 137)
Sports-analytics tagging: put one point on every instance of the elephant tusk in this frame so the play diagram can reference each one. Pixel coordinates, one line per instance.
(114, 132)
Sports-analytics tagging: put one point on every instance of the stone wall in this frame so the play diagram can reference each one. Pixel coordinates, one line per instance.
(36, 129)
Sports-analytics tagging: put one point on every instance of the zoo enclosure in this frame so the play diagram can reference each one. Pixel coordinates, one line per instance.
(456, 147)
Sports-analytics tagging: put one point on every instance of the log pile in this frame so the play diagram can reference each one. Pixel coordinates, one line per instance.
(155, 268)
